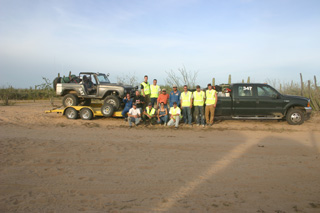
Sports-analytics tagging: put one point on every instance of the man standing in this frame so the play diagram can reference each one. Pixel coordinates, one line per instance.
(139, 101)
(145, 90)
(198, 102)
(134, 115)
(174, 96)
(186, 105)
(155, 91)
(163, 97)
(211, 103)
(175, 114)
(128, 105)
(149, 114)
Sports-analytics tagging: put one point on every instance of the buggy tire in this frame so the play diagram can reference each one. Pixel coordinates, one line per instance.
(71, 113)
(70, 100)
(85, 102)
(113, 100)
(107, 110)
(56, 81)
(86, 114)
(295, 116)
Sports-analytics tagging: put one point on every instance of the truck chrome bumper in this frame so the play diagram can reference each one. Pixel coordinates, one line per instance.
(308, 110)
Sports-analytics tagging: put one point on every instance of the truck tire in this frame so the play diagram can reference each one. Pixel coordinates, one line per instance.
(86, 114)
(107, 110)
(85, 102)
(71, 113)
(295, 117)
(56, 81)
(70, 100)
(113, 100)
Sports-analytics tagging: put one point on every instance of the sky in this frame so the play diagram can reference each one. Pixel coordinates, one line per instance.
(263, 39)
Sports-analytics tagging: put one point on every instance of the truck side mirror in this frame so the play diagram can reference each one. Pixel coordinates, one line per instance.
(275, 96)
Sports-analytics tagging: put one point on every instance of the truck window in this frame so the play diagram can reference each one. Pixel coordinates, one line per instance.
(245, 91)
(266, 91)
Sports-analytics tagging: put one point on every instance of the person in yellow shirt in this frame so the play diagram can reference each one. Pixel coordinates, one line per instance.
(155, 91)
(149, 115)
(145, 90)
(199, 98)
(186, 105)
(211, 103)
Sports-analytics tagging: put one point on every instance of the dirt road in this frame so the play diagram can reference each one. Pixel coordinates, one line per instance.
(51, 164)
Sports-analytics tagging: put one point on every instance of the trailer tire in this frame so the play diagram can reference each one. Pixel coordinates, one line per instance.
(70, 100)
(86, 114)
(113, 100)
(295, 116)
(71, 113)
(107, 110)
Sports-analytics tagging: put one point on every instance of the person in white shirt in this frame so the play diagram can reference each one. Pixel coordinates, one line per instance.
(175, 114)
(134, 115)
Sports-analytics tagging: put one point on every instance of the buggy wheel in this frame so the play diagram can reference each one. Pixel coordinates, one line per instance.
(70, 100)
(107, 110)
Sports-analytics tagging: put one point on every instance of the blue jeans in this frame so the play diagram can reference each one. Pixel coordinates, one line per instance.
(186, 112)
(154, 101)
(163, 119)
(124, 112)
(135, 120)
(198, 110)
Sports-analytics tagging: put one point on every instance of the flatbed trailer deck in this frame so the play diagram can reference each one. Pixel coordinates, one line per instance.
(87, 112)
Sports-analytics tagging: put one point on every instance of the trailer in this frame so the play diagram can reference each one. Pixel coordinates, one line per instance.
(88, 112)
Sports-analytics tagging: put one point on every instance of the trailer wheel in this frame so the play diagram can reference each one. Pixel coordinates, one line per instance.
(113, 100)
(71, 113)
(295, 117)
(86, 114)
(107, 110)
(70, 100)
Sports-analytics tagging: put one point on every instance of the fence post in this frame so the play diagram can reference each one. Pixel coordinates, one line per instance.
(229, 80)
(242, 80)
(213, 81)
(248, 81)
(301, 85)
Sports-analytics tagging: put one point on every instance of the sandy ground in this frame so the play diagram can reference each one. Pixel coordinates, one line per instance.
(51, 164)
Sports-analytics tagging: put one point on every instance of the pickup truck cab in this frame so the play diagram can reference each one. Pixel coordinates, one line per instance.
(261, 101)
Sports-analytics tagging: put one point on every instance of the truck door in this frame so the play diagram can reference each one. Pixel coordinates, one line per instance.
(268, 101)
(244, 101)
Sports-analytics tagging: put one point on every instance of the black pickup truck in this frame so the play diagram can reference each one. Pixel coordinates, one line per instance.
(261, 101)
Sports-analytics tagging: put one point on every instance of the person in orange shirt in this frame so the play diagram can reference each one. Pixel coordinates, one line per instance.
(163, 97)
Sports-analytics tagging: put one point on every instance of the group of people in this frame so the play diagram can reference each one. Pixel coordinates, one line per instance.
(153, 105)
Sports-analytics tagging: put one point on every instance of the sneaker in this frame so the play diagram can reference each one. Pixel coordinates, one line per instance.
(175, 127)
(203, 125)
(198, 124)
(165, 124)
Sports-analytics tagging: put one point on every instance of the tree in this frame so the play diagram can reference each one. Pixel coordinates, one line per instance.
(183, 77)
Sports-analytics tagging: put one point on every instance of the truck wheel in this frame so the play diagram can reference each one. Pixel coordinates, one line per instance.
(70, 100)
(56, 81)
(113, 100)
(86, 114)
(71, 113)
(85, 102)
(295, 117)
(107, 110)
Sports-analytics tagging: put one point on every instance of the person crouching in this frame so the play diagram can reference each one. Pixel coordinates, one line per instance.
(149, 114)
(175, 113)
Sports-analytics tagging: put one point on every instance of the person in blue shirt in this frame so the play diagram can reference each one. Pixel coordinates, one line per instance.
(128, 105)
(174, 96)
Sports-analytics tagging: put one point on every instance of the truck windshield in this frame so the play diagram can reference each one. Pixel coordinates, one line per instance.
(103, 78)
